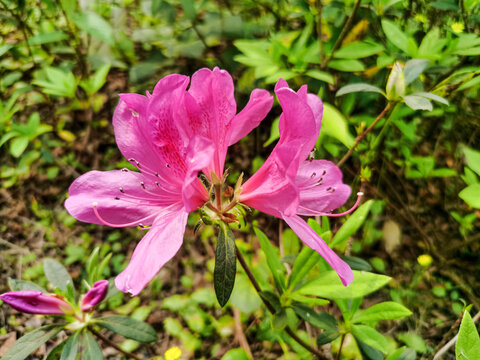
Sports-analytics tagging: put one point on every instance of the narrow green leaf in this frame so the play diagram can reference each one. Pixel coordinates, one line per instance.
(304, 262)
(353, 223)
(468, 342)
(387, 310)
(413, 68)
(225, 264)
(56, 274)
(31, 341)
(90, 348)
(18, 146)
(321, 75)
(95, 25)
(321, 320)
(273, 261)
(358, 50)
(358, 88)
(273, 299)
(395, 35)
(418, 103)
(128, 327)
(346, 65)
(21, 285)
(311, 301)
(327, 337)
(70, 349)
(472, 158)
(328, 285)
(189, 9)
(371, 337)
(367, 351)
(335, 124)
(432, 97)
(357, 263)
(46, 38)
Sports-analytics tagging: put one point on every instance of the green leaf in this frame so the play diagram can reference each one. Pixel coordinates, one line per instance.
(31, 341)
(367, 351)
(57, 274)
(128, 327)
(90, 348)
(244, 297)
(371, 337)
(70, 349)
(328, 285)
(273, 261)
(347, 65)
(273, 299)
(21, 285)
(18, 146)
(321, 320)
(189, 9)
(225, 264)
(357, 263)
(320, 75)
(311, 301)
(353, 223)
(279, 320)
(95, 25)
(387, 310)
(46, 38)
(327, 337)
(468, 342)
(413, 341)
(358, 50)
(358, 88)
(304, 262)
(472, 158)
(236, 354)
(432, 45)
(96, 81)
(432, 97)
(395, 35)
(471, 195)
(334, 124)
(413, 68)
(418, 103)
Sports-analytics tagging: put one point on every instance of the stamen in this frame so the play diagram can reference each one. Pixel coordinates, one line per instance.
(313, 175)
(121, 189)
(135, 114)
(142, 184)
(124, 170)
(359, 198)
(104, 222)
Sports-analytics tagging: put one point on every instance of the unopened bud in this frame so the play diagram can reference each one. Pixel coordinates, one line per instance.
(396, 83)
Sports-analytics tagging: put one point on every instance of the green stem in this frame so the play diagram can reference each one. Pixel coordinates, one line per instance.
(270, 307)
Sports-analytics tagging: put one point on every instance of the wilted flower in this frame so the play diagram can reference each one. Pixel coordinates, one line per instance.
(94, 296)
(36, 302)
(169, 136)
(289, 184)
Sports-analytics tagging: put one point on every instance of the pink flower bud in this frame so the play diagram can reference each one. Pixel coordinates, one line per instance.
(35, 302)
(95, 295)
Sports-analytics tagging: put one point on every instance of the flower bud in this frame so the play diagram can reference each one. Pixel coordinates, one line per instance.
(35, 302)
(396, 83)
(95, 295)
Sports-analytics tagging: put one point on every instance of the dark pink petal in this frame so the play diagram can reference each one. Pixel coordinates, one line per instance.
(199, 154)
(315, 242)
(297, 122)
(120, 198)
(35, 302)
(316, 105)
(95, 295)
(250, 117)
(170, 83)
(212, 91)
(157, 247)
(321, 187)
(272, 188)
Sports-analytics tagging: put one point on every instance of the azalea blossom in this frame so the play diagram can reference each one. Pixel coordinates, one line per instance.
(289, 184)
(94, 296)
(36, 302)
(169, 136)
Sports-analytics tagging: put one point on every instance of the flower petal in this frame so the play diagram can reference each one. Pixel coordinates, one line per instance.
(315, 242)
(272, 188)
(132, 205)
(199, 154)
(157, 247)
(250, 117)
(321, 187)
(35, 302)
(95, 295)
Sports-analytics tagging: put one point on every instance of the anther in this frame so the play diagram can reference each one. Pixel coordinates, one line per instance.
(157, 175)
(124, 170)
(167, 165)
(313, 175)
(121, 189)
(324, 172)
(157, 183)
(134, 113)
(142, 184)
(116, 198)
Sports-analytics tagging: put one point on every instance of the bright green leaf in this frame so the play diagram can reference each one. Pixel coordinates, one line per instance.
(371, 337)
(387, 310)
(353, 223)
(418, 103)
(346, 65)
(358, 50)
(471, 195)
(128, 327)
(395, 35)
(358, 88)
(468, 342)
(273, 261)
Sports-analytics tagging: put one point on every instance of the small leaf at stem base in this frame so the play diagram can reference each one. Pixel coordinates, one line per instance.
(225, 265)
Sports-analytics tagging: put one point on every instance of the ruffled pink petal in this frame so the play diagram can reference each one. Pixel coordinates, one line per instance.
(212, 91)
(297, 122)
(315, 242)
(134, 206)
(170, 83)
(250, 117)
(35, 302)
(316, 105)
(95, 295)
(272, 188)
(157, 247)
(321, 187)
(199, 155)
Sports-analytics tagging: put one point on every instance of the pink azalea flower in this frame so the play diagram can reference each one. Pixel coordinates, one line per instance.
(94, 296)
(35, 302)
(288, 184)
(169, 136)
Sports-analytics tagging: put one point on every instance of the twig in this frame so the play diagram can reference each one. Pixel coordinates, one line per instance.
(270, 307)
(340, 348)
(112, 344)
(448, 345)
(346, 29)
(240, 334)
(363, 134)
